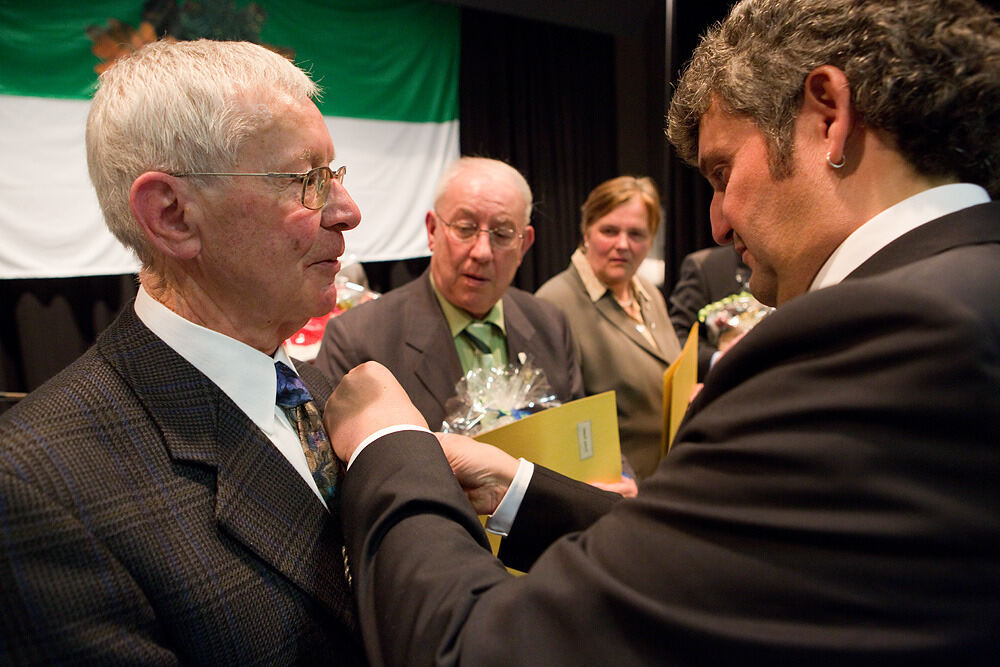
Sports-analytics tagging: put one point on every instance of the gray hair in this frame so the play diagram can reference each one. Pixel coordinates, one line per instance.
(179, 107)
(926, 72)
(469, 163)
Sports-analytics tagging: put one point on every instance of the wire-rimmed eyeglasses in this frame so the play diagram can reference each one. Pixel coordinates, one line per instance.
(502, 236)
(315, 182)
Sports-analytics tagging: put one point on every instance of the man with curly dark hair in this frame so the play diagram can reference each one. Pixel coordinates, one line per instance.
(922, 72)
(833, 496)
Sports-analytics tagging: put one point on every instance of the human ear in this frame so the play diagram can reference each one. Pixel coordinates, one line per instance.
(826, 106)
(528, 240)
(430, 221)
(160, 204)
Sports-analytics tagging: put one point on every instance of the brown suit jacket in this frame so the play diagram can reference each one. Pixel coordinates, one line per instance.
(406, 332)
(148, 521)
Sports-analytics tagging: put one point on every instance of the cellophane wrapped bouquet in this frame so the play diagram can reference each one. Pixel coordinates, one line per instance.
(731, 316)
(486, 398)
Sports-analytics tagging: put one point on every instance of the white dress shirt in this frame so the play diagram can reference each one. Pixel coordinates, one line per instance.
(244, 374)
(892, 223)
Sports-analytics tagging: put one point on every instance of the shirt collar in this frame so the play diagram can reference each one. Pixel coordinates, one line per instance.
(243, 373)
(458, 319)
(595, 288)
(892, 223)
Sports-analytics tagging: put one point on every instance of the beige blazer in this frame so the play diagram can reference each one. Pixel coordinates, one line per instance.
(614, 355)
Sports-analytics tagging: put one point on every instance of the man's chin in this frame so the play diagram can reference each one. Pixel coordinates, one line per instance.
(478, 308)
(765, 291)
(323, 302)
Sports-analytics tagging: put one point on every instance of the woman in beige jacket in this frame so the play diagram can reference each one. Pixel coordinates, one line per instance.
(620, 324)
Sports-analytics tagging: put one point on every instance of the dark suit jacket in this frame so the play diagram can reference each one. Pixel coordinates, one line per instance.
(832, 497)
(706, 277)
(146, 520)
(406, 332)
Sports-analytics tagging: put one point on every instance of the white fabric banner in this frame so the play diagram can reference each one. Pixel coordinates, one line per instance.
(52, 225)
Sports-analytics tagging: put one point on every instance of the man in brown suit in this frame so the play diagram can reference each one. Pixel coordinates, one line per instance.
(156, 505)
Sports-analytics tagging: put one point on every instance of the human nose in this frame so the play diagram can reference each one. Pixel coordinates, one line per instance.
(340, 212)
(482, 246)
(722, 232)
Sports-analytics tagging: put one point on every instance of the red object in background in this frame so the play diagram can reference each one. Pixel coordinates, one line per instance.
(312, 331)
(304, 343)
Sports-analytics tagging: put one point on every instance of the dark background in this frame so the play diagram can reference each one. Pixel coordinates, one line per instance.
(571, 93)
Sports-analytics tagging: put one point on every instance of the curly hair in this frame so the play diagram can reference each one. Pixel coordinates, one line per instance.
(614, 192)
(926, 72)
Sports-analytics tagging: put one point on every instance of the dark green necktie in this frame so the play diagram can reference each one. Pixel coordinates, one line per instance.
(478, 333)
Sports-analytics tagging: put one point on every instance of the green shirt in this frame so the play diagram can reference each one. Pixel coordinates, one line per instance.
(494, 336)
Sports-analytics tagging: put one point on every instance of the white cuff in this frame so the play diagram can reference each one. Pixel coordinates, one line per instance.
(384, 431)
(499, 522)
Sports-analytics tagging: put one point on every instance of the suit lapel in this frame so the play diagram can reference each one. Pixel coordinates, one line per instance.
(613, 314)
(616, 316)
(427, 334)
(973, 225)
(263, 503)
(666, 340)
(260, 500)
(520, 330)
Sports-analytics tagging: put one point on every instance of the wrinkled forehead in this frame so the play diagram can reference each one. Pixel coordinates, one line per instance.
(485, 195)
(288, 128)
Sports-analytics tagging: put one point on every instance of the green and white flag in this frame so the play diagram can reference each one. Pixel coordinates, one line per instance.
(389, 73)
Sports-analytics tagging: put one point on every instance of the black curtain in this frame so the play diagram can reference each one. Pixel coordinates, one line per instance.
(541, 97)
(688, 195)
(46, 323)
(686, 221)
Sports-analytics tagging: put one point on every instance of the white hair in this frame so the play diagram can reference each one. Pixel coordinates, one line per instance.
(179, 107)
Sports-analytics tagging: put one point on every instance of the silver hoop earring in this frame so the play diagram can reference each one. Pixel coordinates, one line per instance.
(843, 161)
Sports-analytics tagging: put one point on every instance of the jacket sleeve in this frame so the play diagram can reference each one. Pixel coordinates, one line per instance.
(554, 505)
(689, 295)
(827, 500)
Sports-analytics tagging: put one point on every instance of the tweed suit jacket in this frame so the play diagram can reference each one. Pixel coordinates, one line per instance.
(831, 498)
(146, 520)
(615, 356)
(406, 331)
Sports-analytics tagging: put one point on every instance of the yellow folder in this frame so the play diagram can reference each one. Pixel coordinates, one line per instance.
(578, 439)
(678, 383)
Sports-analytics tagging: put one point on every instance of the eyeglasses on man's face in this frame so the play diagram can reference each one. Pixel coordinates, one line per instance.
(502, 236)
(315, 182)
